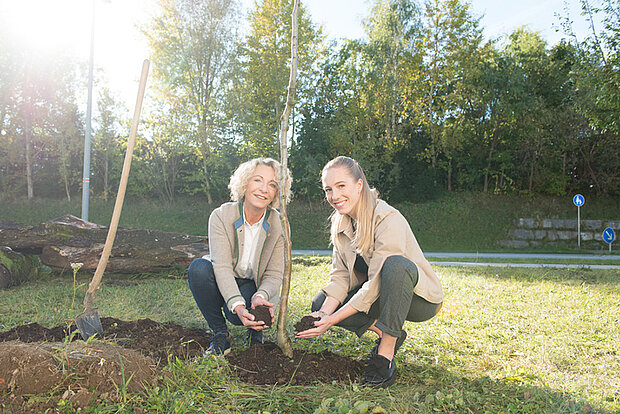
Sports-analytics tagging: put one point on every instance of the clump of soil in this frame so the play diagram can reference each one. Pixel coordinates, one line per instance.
(266, 365)
(261, 313)
(306, 323)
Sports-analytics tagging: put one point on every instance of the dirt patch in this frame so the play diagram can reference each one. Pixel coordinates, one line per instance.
(306, 323)
(150, 338)
(77, 372)
(54, 362)
(266, 364)
(261, 313)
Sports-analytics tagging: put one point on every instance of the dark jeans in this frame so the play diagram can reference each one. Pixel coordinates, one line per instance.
(202, 283)
(396, 303)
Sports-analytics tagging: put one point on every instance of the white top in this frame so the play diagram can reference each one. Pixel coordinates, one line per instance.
(246, 263)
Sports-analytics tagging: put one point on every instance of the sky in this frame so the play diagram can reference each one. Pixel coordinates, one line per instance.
(64, 26)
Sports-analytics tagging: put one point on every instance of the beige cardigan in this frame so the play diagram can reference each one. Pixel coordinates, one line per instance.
(226, 240)
(392, 237)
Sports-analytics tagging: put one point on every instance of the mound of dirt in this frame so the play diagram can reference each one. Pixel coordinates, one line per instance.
(266, 364)
(150, 338)
(35, 360)
(77, 372)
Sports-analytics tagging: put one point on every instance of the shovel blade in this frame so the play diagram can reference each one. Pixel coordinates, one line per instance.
(89, 324)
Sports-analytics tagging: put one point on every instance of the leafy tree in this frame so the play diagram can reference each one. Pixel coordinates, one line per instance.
(192, 44)
(260, 83)
(107, 154)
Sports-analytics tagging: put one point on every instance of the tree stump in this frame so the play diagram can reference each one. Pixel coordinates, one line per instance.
(16, 268)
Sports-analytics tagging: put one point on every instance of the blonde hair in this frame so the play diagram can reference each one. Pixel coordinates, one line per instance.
(241, 176)
(364, 210)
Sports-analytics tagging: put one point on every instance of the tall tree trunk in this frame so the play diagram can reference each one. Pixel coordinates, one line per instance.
(67, 192)
(207, 182)
(28, 136)
(284, 341)
(532, 168)
(450, 174)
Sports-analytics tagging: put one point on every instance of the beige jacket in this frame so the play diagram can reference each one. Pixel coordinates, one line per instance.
(392, 237)
(226, 240)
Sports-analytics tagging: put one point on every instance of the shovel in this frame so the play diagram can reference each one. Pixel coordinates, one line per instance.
(88, 322)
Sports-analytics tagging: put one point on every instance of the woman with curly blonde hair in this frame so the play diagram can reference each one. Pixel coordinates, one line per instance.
(246, 248)
(379, 276)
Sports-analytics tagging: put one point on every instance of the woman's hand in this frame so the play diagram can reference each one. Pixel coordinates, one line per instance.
(258, 301)
(247, 319)
(320, 326)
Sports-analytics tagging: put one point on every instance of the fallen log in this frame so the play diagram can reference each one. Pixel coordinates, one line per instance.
(69, 239)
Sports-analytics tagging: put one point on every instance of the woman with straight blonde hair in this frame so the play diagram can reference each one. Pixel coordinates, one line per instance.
(379, 275)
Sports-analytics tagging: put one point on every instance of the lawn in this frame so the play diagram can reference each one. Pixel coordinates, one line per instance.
(458, 222)
(507, 340)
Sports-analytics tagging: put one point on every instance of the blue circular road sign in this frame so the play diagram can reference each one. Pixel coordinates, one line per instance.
(609, 235)
(579, 200)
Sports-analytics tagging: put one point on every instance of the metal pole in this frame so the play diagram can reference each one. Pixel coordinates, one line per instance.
(89, 111)
(578, 226)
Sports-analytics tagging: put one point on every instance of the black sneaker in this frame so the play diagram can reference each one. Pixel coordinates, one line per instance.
(379, 372)
(220, 344)
(375, 349)
(254, 337)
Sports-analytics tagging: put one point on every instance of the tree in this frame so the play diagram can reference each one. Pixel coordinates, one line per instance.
(107, 161)
(451, 51)
(192, 44)
(263, 64)
(283, 340)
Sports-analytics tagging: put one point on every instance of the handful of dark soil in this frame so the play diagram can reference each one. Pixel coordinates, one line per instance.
(261, 313)
(306, 323)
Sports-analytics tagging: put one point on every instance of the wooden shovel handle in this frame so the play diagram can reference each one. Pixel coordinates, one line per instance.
(120, 196)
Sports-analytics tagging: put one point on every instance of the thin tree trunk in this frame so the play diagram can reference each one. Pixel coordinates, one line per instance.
(207, 182)
(284, 341)
(106, 168)
(28, 136)
(450, 174)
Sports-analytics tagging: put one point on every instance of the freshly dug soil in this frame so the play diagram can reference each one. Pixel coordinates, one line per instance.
(266, 364)
(150, 338)
(261, 313)
(77, 372)
(51, 361)
(305, 323)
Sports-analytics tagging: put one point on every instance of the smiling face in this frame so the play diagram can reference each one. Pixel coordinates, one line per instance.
(261, 188)
(342, 190)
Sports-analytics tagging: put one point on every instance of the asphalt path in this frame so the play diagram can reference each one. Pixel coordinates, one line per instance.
(520, 256)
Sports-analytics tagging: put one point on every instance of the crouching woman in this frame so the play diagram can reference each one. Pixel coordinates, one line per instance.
(379, 276)
(246, 248)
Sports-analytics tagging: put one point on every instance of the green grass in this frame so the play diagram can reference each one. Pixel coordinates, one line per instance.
(464, 222)
(507, 340)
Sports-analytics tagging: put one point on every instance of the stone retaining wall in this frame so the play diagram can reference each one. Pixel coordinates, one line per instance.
(529, 232)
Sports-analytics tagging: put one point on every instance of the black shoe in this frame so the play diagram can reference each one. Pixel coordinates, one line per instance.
(375, 349)
(220, 344)
(254, 337)
(379, 372)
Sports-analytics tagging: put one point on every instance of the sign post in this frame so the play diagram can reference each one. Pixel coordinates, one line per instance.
(579, 200)
(609, 236)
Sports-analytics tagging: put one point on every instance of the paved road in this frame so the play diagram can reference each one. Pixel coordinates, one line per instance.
(537, 256)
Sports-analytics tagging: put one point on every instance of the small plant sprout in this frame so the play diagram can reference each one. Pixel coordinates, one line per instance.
(76, 268)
